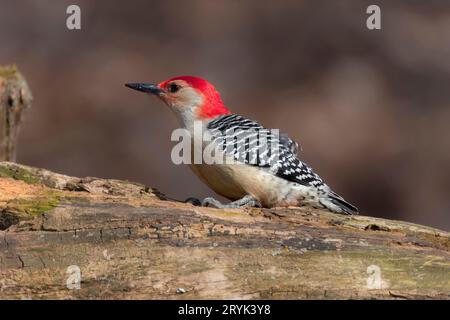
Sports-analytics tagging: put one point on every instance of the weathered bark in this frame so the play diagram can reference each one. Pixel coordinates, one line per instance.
(130, 242)
(15, 97)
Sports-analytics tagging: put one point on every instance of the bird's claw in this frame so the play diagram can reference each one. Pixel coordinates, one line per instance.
(193, 201)
(254, 203)
(244, 202)
(211, 202)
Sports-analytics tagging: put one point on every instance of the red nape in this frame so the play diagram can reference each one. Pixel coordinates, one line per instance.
(213, 105)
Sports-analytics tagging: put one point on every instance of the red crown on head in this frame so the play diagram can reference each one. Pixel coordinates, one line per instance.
(213, 105)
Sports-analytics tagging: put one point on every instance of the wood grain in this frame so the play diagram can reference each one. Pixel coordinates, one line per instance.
(131, 242)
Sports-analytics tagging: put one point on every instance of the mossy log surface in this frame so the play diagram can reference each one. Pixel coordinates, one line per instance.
(129, 241)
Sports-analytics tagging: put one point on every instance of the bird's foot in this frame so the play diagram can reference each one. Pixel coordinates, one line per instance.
(193, 201)
(246, 201)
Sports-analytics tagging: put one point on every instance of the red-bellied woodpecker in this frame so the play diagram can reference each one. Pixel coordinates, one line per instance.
(257, 177)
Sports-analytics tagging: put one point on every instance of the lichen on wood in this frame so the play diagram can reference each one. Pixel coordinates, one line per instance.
(130, 241)
(15, 97)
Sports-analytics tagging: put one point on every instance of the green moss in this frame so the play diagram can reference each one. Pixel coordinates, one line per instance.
(34, 207)
(8, 71)
(18, 174)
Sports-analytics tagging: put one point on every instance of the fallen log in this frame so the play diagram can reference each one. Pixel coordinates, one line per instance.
(89, 238)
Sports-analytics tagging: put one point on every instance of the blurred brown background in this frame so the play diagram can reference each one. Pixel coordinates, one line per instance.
(370, 108)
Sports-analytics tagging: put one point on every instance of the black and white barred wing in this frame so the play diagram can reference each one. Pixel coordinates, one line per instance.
(247, 142)
(289, 143)
(250, 143)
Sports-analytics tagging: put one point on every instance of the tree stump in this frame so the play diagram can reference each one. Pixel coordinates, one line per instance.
(89, 238)
(15, 97)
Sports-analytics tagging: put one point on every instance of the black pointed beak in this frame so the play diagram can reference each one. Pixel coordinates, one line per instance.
(146, 87)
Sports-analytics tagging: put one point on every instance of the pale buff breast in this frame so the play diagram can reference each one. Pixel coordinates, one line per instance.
(234, 181)
(238, 180)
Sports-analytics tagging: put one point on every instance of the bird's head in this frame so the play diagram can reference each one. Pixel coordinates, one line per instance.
(190, 97)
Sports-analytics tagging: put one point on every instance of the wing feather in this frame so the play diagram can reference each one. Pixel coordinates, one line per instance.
(250, 143)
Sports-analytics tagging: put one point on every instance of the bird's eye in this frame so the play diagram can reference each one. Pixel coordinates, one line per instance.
(173, 87)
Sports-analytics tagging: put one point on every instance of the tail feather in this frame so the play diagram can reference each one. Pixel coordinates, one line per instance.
(342, 204)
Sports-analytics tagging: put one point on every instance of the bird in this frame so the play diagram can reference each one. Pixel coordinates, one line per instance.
(253, 174)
